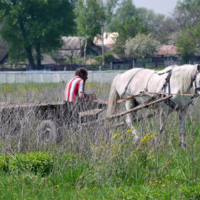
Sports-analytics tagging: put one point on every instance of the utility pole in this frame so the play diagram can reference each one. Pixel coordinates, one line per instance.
(102, 26)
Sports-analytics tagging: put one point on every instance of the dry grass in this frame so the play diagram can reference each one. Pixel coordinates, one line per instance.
(103, 158)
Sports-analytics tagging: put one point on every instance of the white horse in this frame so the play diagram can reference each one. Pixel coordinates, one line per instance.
(183, 80)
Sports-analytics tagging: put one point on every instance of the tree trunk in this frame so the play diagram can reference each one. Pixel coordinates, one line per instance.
(38, 55)
(30, 59)
(27, 47)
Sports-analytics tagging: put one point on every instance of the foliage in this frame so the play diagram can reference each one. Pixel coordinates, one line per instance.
(35, 26)
(88, 18)
(35, 162)
(160, 26)
(186, 45)
(109, 7)
(187, 13)
(141, 46)
(127, 24)
(125, 10)
(130, 29)
(107, 56)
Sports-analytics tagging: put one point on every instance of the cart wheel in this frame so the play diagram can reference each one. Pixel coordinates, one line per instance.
(47, 133)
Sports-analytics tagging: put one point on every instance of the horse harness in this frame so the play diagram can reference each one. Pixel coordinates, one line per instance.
(130, 81)
(168, 102)
(195, 84)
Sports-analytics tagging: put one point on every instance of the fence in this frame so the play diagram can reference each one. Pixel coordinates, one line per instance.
(64, 76)
(55, 77)
(124, 66)
(119, 66)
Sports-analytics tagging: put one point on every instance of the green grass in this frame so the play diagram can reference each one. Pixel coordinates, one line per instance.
(133, 178)
(115, 170)
(124, 172)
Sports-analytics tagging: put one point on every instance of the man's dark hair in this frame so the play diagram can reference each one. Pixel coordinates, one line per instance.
(80, 71)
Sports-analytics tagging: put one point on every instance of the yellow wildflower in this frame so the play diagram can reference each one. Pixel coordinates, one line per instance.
(114, 135)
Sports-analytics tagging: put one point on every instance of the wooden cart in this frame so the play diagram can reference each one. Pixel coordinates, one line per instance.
(52, 117)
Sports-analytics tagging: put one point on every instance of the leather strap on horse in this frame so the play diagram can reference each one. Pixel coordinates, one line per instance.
(146, 89)
(130, 81)
(170, 102)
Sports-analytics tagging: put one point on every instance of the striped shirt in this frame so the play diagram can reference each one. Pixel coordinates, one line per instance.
(73, 87)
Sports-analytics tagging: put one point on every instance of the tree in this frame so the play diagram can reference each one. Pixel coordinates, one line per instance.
(141, 46)
(159, 25)
(35, 26)
(186, 45)
(109, 8)
(130, 29)
(126, 10)
(89, 18)
(187, 13)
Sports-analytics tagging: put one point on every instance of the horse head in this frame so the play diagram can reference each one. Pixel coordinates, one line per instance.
(196, 81)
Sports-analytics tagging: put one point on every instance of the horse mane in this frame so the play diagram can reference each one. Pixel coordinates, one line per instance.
(183, 76)
(164, 71)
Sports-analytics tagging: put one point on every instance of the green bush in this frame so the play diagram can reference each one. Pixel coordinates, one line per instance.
(35, 162)
(107, 56)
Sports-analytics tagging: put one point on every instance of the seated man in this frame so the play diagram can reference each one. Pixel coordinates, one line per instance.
(75, 87)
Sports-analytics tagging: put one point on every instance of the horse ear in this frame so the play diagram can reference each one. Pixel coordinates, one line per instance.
(198, 67)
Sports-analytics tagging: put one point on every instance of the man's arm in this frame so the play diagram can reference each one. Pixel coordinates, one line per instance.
(82, 95)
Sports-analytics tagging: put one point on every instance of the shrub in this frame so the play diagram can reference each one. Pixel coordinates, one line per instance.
(36, 162)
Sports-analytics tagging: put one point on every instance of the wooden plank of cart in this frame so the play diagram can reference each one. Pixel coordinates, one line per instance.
(52, 116)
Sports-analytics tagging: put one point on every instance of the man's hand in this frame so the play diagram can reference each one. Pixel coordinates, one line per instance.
(81, 95)
(87, 96)
(92, 97)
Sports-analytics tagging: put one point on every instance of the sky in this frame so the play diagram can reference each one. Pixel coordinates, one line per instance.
(159, 6)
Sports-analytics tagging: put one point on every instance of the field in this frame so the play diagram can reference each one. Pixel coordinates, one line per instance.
(85, 165)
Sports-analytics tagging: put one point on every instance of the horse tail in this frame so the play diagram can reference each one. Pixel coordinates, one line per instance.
(113, 97)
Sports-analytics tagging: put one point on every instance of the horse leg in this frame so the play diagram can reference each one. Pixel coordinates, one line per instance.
(182, 115)
(129, 117)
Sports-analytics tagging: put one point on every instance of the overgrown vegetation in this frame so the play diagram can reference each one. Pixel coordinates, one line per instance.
(94, 163)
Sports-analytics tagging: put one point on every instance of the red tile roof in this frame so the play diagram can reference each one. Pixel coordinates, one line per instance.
(167, 49)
